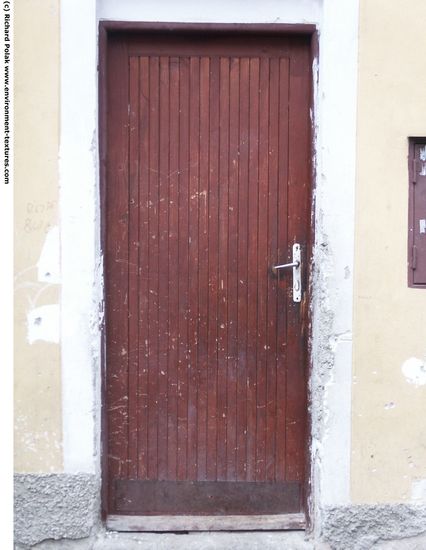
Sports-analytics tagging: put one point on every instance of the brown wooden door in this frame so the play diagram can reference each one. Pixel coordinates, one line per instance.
(207, 187)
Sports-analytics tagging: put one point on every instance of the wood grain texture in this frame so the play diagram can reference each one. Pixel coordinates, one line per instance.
(117, 269)
(208, 186)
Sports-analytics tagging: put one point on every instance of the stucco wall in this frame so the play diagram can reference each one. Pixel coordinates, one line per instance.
(388, 433)
(57, 425)
(37, 352)
(388, 413)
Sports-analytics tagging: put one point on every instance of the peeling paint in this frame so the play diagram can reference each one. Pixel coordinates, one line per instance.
(43, 324)
(48, 265)
(414, 370)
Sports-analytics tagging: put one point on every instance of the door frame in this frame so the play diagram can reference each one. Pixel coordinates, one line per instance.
(199, 523)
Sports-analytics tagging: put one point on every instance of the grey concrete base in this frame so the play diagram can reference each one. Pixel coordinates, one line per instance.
(55, 506)
(62, 544)
(61, 511)
(204, 541)
(414, 543)
(213, 541)
(293, 540)
(362, 527)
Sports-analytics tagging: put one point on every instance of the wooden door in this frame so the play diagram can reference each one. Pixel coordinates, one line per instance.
(207, 187)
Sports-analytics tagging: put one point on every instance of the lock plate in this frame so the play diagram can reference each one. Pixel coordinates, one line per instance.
(297, 271)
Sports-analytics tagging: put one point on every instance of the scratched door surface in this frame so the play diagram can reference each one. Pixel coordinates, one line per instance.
(207, 186)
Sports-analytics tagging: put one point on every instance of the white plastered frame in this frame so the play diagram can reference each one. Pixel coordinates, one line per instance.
(335, 144)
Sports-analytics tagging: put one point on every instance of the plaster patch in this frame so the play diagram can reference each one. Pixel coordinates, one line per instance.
(268, 11)
(414, 370)
(43, 324)
(32, 440)
(48, 265)
(418, 491)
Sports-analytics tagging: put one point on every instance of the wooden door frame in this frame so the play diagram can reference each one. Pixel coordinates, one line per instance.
(172, 523)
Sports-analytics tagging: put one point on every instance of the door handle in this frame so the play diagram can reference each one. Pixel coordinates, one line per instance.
(283, 266)
(296, 267)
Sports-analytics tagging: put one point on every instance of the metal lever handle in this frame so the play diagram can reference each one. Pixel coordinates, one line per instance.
(296, 266)
(284, 266)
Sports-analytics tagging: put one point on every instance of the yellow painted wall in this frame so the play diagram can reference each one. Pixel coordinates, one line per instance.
(389, 413)
(37, 365)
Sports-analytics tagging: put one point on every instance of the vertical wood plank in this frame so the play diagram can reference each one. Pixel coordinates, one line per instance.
(153, 267)
(243, 229)
(172, 423)
(222, 344)
(117, 271)
(143, 268)
(232, 269)
(252, 301)
(283, 256)
(193, 265)
(183, 284)
(298, 209)
(203, 263)
(133, 321)
(163, 266)
(262, 269)
(272, 297)
(213, 263)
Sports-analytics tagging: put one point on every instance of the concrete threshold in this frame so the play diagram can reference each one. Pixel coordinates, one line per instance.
(254, 540)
